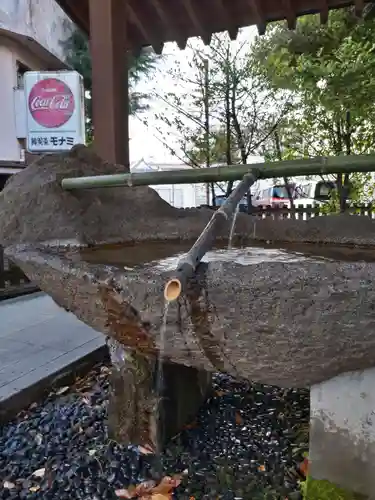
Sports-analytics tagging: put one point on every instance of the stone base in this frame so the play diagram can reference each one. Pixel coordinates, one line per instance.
(342, 437)
(136, 415)
(185, 391)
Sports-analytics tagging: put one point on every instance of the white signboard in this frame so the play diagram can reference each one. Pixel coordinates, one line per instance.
(55, 117)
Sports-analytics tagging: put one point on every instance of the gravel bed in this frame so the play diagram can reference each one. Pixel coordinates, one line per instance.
(246, 443)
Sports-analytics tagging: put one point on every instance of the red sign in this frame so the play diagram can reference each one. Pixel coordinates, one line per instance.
(51, 103)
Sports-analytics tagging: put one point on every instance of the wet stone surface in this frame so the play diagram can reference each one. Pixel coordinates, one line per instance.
(246, 443)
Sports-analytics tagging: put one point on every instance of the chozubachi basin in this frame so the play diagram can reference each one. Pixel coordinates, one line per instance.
(291, 304)
(294, 318)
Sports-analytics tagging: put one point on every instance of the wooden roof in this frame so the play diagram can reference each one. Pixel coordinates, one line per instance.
(154, 22)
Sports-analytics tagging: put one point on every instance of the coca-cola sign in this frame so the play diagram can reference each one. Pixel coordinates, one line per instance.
(51, 103)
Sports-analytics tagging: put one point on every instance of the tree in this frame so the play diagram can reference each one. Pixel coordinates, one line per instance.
(79, 58)
(243, 112)
(329, 71)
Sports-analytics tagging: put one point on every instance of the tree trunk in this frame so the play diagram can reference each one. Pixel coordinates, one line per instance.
(341, 188)
(285, 179)
(228, 152)
(346, 185)
(207, 131)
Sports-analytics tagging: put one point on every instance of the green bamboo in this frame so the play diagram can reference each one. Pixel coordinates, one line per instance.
(292, 168)
(187, 265)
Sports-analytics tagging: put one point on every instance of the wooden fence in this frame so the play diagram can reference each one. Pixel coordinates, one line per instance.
(302, 212)
(12, 280)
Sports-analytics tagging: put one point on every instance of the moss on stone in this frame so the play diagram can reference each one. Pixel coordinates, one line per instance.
(315, 489)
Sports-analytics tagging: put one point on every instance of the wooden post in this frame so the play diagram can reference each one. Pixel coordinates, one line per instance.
(108, 44)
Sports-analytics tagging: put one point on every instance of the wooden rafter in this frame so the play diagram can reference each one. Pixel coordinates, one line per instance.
(224, 14)
(146, 34)
(257, 10)
(168, 23)
(324, 11)
(290, 14)
(203, 17)
(359, 6)
(196, 21)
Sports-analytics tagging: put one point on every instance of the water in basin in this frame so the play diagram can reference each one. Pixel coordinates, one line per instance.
(165, 255)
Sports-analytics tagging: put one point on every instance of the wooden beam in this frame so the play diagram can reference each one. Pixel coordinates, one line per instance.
(359, 6)
(146, 33)
(324, 12)
(195, 20)
(226, 18)
(108, 45)
(168, 23)
(291, 17)
(257, 11)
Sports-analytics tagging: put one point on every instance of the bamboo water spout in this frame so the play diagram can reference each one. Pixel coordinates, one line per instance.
(290, 168)
(186, 267)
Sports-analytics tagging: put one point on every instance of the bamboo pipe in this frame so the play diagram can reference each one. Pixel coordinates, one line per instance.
(187, 265)
(313, 166)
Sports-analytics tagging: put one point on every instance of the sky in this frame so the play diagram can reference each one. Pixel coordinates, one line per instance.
(144, 140)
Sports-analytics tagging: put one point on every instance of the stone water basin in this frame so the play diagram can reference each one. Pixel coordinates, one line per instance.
(287, 316)
(291, 316)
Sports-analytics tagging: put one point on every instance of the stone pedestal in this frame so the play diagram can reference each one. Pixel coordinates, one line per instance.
(342, 439)
(185, 390)
(137, 414)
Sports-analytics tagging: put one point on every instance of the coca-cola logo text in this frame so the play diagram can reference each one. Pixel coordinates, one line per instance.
(51, 103)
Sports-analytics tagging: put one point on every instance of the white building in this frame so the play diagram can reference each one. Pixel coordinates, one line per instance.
(178, 195)
(183, 195)
(32, 36)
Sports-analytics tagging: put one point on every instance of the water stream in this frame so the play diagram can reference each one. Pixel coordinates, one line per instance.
(159, 386)
(233, 226)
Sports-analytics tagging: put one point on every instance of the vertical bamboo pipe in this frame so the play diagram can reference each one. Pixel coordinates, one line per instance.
(187, 265)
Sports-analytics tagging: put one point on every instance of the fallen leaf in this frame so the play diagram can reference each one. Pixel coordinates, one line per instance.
(304, 467)
(239, 419)
(62, 391)
(39, 472)
(167, 484)
(150, 491)
(192, 425)
(145, 450)
(124, 494)
(261, 468)
(142, 490)
(8, 485)
(220, 393)
(92, 453)
(145, 488)
(34, 489)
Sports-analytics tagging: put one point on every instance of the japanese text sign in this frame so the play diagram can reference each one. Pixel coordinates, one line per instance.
(54, 110)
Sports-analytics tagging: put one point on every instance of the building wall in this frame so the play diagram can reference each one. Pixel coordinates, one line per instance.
(10, 55)
(44, 22)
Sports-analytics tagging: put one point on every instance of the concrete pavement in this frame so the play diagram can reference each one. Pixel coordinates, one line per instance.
(38, 340)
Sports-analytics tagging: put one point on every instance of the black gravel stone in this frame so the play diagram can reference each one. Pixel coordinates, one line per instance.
(246, 444)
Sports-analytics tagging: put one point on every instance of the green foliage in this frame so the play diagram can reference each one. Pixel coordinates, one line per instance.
(79, 58)
(197, 148)
(314, 489)
(221, 82)
(329, 71)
